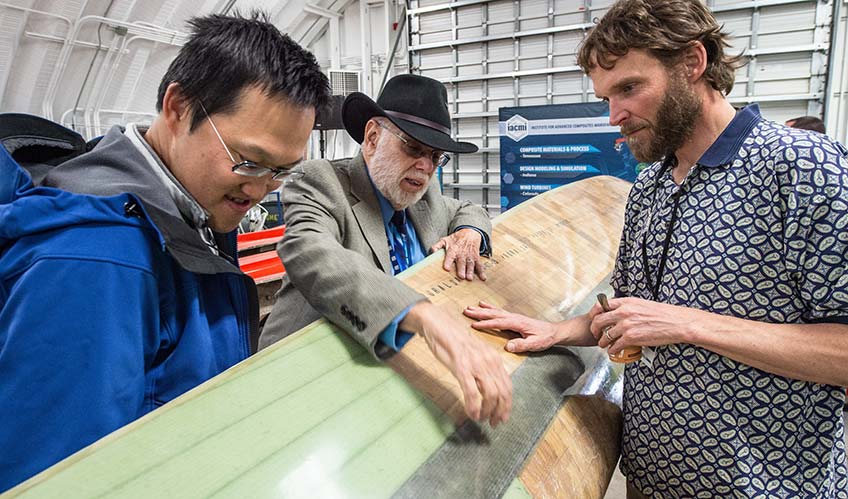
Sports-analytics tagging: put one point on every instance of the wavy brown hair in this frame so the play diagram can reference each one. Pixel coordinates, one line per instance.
(665, 28)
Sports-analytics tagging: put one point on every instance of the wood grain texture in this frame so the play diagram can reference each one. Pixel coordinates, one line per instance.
(548, 255)
(316, 416)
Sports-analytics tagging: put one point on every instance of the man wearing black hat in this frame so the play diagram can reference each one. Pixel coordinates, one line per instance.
(352, 224)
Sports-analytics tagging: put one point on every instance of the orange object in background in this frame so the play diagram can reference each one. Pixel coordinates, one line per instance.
(263, 265)
(267, 237)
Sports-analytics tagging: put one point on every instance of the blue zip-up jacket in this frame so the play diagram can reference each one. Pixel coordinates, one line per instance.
(110, 305)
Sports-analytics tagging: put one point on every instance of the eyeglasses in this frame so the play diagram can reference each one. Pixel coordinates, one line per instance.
(249, 168)
(413, 150)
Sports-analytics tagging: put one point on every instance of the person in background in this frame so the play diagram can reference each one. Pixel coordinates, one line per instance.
(353, 224)
(118, 285)
(731, 274)
(813, 123)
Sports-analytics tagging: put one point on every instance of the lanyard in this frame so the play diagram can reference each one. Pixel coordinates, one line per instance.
(655, 287)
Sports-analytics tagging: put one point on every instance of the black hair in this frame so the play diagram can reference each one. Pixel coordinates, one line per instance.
(807, 123)
(227, 54)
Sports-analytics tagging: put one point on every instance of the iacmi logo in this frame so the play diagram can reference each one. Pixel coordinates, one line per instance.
(517, 127)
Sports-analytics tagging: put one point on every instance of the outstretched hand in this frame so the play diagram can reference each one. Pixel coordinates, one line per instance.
(536, 335)
(485, 383)
(462, 250)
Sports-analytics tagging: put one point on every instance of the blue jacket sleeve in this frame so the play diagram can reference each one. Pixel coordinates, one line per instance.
(73, 337)
(393, 337)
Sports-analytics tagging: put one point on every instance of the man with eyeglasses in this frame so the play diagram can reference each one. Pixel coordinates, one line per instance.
(352, 224)
(119, 286)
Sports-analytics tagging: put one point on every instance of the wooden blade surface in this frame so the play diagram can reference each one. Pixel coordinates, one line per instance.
(316, 416)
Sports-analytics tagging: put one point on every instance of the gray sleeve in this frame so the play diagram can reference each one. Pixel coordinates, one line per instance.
(467, 213)
(342, 284)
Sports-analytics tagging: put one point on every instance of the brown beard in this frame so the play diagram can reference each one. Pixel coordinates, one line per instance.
(674, 124)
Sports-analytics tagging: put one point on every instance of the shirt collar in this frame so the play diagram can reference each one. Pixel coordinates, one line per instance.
(727, 145)
(189, 208)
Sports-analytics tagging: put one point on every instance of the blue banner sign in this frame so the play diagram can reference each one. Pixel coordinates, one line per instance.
(544, 147)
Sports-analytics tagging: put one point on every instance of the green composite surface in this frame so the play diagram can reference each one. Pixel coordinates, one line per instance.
(516, 491)
(315, 416)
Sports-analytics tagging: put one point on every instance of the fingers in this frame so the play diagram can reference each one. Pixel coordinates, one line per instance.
(496, 390)
(479, 270)
(500, 324)
(470, 267)
(595, 311)
(464, 261)
(486, 387)
(477, 313)
(450, 258)
(484, 312)
(484, 306)
(461, 254)
(466, 267)
(606, 337)
(461, 264)
(504, 408)
(472, 398)
(450, 255)
(519, 345)
(612, 338)
(614, 303)
(528, 344)
(495, 318)
(616, 347)
(600, 321)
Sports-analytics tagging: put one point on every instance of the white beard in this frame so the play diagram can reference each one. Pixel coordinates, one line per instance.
(387, 179)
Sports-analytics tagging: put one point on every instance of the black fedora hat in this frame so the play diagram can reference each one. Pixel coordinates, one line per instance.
(416, 104)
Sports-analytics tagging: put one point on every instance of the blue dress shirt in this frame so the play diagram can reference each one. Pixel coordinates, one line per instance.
(405, 237)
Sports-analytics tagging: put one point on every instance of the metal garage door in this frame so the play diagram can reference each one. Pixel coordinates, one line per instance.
(499, 53)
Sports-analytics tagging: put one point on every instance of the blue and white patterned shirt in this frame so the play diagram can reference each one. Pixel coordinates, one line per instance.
(760, 232)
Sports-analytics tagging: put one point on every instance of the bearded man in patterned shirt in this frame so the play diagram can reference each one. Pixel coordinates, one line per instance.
(731, 273)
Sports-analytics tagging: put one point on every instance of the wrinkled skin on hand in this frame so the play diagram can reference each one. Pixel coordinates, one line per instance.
(462, 254)
(536, 335)
(485, 383)
(638, 322)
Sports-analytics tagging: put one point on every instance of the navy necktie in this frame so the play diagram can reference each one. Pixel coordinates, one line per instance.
(398, 242)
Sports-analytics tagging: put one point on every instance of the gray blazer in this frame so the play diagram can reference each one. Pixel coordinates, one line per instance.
(336, 251)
